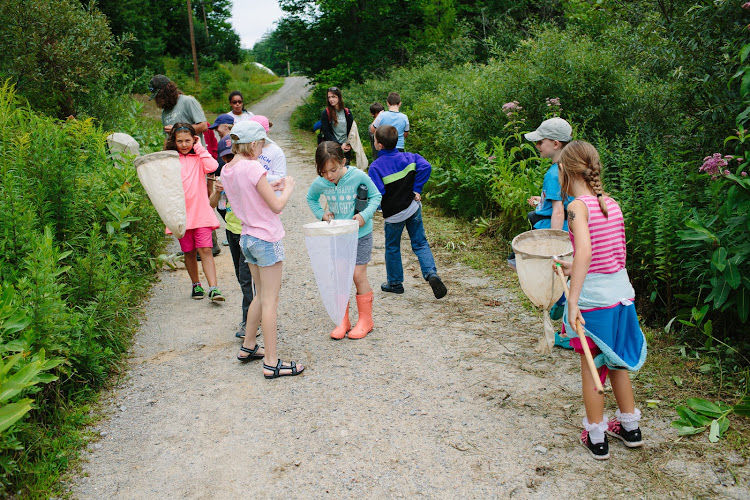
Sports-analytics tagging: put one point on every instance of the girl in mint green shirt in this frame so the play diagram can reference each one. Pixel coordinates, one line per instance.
(339, 184)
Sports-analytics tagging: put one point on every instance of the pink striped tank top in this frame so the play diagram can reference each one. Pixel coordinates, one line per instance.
(607, 236)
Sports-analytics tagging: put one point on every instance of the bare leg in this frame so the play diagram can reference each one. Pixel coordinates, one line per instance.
(209, 268)
(270, 279)
(623, 390)
(593, 401)
(252, 321)
(191, 264)
(360, 280)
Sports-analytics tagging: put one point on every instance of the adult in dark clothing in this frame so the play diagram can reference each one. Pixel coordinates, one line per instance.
(336, 122)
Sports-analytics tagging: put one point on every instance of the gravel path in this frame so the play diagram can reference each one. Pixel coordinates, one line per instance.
(443, 399)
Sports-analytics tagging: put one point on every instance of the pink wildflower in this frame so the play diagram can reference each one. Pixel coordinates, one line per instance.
(727, 172)
(490, 158)
(744, 174)
(746, 5)
(713, 164)
(511, 108)
(553, 101)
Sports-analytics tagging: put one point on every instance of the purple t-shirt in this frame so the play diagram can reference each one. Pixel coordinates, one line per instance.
(258, 220)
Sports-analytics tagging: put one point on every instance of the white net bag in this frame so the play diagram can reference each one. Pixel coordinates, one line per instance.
(332, 247)
(534, 251)
(161, 176)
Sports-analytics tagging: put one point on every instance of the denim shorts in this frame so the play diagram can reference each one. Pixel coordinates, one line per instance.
(261, 252)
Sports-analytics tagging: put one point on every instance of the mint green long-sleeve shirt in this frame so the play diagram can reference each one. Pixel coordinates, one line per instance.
(341, 197)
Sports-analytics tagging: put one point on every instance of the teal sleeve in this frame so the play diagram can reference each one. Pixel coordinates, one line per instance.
(313, 200)
(373, 198)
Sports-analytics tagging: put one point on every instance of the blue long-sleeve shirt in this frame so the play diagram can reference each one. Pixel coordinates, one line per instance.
(398, 176)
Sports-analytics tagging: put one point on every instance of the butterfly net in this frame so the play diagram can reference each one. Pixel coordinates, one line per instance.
(332, 247)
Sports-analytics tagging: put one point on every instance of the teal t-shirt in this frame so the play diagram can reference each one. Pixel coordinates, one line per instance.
(341, 197)
(551, 191)
(395, 119)
(187, 110)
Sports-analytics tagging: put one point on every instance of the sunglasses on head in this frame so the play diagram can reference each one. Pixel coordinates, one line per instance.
(333, 89)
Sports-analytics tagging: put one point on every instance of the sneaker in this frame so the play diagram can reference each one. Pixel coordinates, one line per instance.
(216, 251)
(438, 288)
(599, 451)
(563, 342)
(225, 243)
(240, 334)
(215, 295)
(198, 292)
(631, 439)
(556, 312)
(392, 288)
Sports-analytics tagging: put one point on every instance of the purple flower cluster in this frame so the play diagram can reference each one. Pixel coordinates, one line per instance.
(511, 108)
(716, 164)
(553, 101)
(746, 5)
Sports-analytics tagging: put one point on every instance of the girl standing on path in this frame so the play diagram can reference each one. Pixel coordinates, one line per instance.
(253, 201)
(340, 185)
(601, 299)
(336, 122)
(196, 163)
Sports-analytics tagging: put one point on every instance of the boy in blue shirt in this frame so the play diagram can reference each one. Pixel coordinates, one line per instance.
(394, 118)
(400, 178)
(551, 209)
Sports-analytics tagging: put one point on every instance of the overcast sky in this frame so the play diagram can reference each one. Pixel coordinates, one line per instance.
(252, 18)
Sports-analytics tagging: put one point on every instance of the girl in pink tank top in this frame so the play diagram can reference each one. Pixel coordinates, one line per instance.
(601, 299)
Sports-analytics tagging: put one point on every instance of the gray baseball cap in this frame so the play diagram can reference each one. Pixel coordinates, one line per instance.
(555, 129)
(247, 132)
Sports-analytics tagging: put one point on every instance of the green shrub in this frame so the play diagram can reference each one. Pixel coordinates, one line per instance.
(77, 235)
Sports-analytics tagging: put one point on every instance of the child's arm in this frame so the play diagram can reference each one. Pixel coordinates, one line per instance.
(424, 169)
(376, 178)
(558, 215)
(207, 161)
(579, 226)
(213, 200)
(313, 199)
(276, 204)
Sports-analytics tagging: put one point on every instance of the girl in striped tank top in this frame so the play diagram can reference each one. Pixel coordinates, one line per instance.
(601, 299)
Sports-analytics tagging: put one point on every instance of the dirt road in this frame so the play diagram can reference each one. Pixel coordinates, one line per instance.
(443, 399)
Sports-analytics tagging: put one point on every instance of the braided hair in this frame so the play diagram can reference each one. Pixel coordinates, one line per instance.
(581, 159)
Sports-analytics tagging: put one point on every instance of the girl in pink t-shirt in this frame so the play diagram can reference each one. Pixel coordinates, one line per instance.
(201, 221)
(254, 202)
(601, 300)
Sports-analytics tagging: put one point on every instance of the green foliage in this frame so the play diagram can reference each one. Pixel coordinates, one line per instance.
(700, 415)
(77, 236)
(60, 55)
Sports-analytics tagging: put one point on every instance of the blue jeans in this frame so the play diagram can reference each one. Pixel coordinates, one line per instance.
(419, 245)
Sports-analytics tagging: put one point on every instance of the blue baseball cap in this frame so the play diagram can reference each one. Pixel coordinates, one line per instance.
(225, 146)
(224, 119)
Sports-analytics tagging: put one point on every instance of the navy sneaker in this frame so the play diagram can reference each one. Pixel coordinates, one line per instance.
(631, 439)
(198, 292)
(392, 288)
(438, 288)
(599, 451)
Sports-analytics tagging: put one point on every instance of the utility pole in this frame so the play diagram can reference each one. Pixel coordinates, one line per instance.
(192, 41)
(288, 66)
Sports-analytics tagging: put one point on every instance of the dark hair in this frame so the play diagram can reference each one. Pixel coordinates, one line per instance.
(387, 135)
(327, 151)
(393, 99)
(331, 110)
(167, 97)
(234, 94)
(172, 139)
(376, 108)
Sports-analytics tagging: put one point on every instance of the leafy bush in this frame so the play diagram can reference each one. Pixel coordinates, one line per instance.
(77, 234)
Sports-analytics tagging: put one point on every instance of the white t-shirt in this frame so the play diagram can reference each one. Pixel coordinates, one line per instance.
(245, 116)
(273, 160)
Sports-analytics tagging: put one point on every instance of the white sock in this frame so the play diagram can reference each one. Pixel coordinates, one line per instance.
(596, 431)
(629, 421)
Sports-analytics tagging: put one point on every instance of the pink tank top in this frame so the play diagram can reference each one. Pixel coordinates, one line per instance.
(607, 236)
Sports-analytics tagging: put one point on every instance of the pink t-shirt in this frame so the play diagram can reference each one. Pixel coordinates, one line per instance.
(195, 166)
(240, 181)
(608, 251)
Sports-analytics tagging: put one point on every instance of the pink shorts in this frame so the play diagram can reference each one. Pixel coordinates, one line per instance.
(200, 237)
